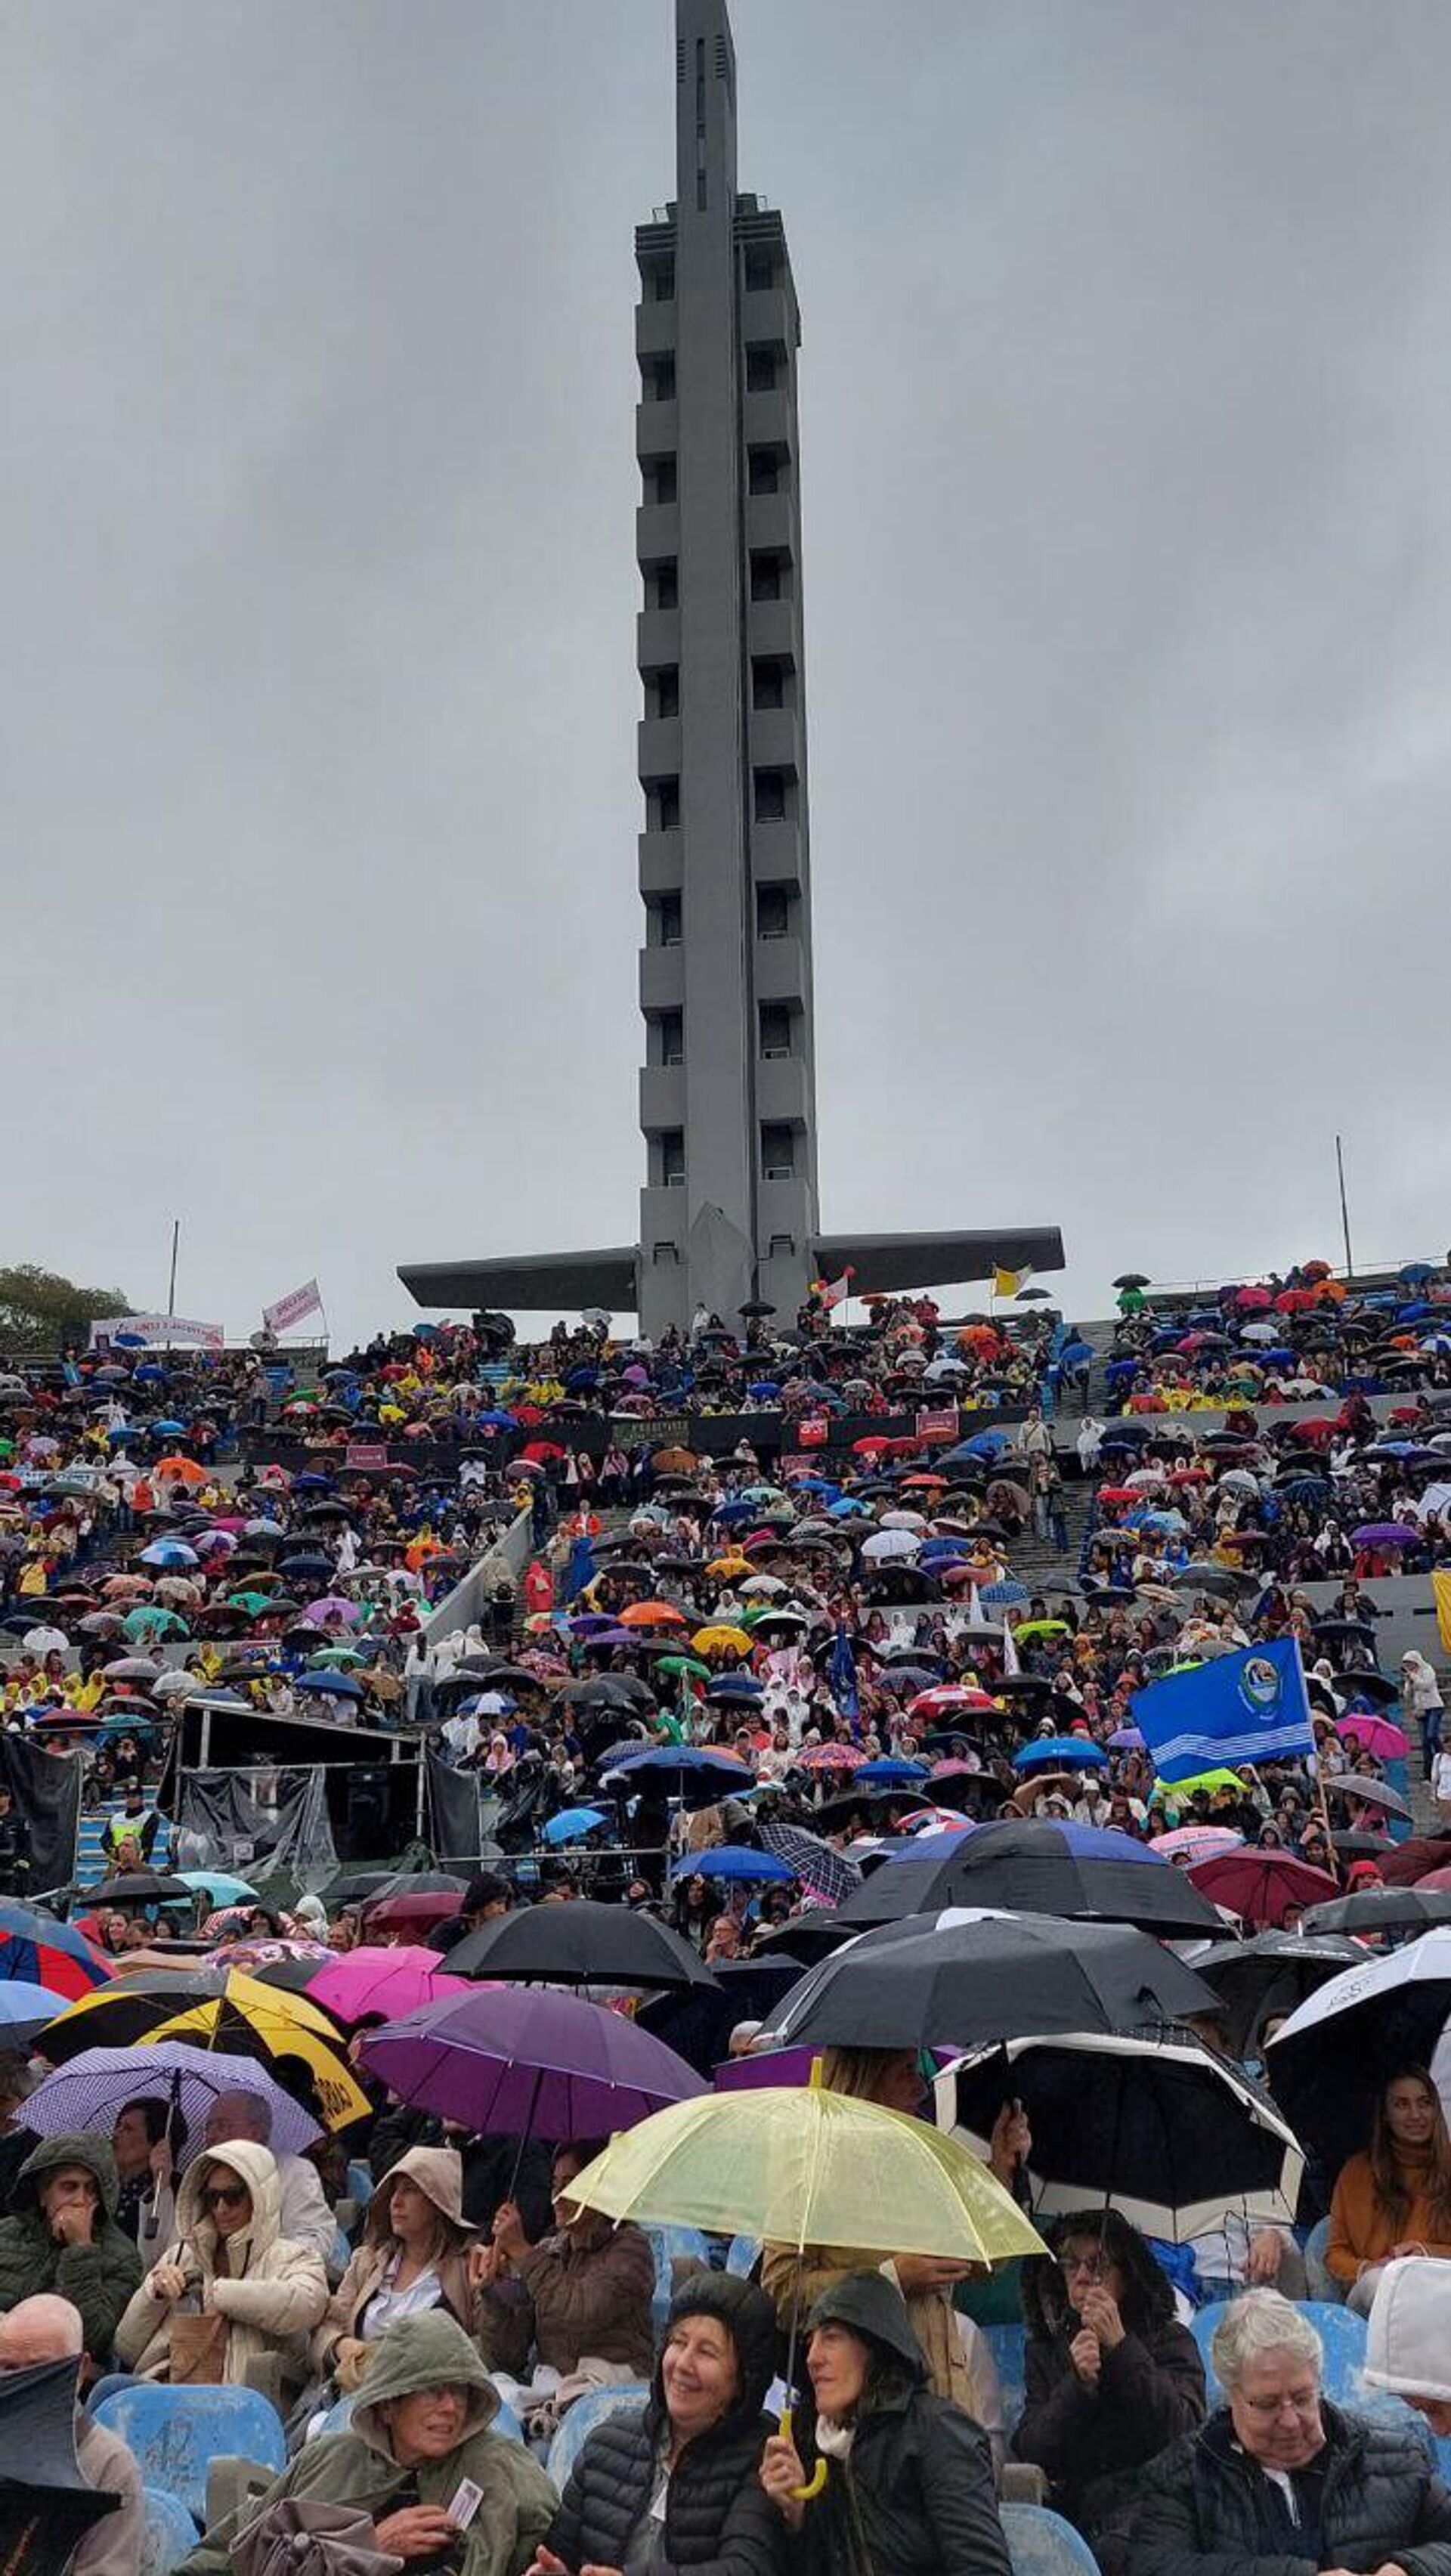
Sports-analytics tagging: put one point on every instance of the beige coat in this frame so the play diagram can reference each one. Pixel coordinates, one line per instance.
(438, 2172)
(271, 2291)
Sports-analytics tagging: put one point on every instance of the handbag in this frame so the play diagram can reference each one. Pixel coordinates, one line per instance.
(301, 2536)
(198, 2348)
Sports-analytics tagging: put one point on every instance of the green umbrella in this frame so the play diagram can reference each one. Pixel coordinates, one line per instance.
(685, 1668)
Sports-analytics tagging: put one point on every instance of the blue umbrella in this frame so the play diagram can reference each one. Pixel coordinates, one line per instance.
(571, 1824)
(730, 1513)
(169, 1425)
(218, 1885)
(1415, 1273)
(168, 1551)
(334, 1685)
(739, 1688)
(696, 1762)
(763, 1389)
(983, 1444)
(889, 1772)
(1058, 1753)
(1004, 1596)
(25, 2008)
(730, 1860)
(496, 1419)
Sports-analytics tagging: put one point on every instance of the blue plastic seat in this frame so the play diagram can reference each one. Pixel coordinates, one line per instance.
(104, 2387)
(1342, 2334)
(360, 2184)
(1009, 2348)
(1323, 2285)
(672, 2245)
(170, 2534)
(175, 2434)
(742, 2256)
(579, 2423)
(1041, 2543)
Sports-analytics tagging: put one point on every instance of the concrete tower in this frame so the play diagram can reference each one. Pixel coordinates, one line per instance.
(728, 1212)
(727, 1094)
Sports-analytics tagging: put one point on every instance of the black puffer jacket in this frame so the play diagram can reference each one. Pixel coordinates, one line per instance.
(916, 2497)
(718, 2519)
(1205, 2510)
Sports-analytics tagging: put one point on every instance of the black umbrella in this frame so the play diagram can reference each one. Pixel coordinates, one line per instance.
(139, 1887)
(1034, 1868)
(1131, 1279)
(581, 1944)
(1328, 2066)
(1363, 1684)
(1382, 1909)
(957, 1984)
(1272, 1973)
(46, 2511)
(1167, 2132)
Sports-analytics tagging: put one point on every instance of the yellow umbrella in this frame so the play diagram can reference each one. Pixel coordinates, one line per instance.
(727, 1566)
(804, 2166)
(715, 1641)
(807, 2167)
(262, 2021)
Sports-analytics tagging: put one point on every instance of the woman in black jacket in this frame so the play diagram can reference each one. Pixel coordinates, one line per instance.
(908, 2489)
(1112, 2376)
(674, 2484)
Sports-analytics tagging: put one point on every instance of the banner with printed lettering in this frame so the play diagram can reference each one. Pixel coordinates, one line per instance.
(940, 1423)
(290, 1310)
(153, 1332)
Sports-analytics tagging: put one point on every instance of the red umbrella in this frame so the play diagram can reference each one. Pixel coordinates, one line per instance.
(411, 1913)
(1258, 1885)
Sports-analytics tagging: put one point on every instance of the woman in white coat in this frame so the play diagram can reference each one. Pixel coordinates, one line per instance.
(231, 2261)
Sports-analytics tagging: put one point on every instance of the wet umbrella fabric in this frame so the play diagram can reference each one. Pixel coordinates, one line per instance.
(827, 1874)
(1067, 1870)
(539, 2064)
(958, 1984)
(89, 2091)
(1169, 2133)
(1259, 1885)
(47, 1953)
(1328, 2065)
(1382, 1909)
(46, 2511)
(580, 1944)
(1271, 1974)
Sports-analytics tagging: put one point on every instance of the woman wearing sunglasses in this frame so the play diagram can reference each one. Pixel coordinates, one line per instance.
(233, 2289)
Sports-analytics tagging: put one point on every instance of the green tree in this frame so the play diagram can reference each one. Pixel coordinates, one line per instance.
(39, 1306)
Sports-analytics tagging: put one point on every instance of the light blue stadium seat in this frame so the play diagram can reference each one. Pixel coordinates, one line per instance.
(1041, 2543)
(1009, 2348)
(103, 2387)
(170, 2533)
(743, 2256)
(360, 2185)
(1341, 2332)
(1323, 2284)
(579, 2423)
(672, 2245)
(176, 2433)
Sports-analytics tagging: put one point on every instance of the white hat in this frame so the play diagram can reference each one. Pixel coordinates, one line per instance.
(1409, 2347)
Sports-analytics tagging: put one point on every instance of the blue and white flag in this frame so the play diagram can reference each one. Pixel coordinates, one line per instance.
(1250, 1707)
(841, 1676)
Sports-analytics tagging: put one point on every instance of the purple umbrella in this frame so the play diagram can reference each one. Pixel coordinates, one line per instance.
(332, 1606)
(1126, 1739)
(533, 2063)
(1385, 1534)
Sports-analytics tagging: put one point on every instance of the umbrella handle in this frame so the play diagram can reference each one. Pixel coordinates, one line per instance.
(817, 2479)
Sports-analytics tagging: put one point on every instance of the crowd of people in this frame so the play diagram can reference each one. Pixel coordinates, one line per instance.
(777, 1707)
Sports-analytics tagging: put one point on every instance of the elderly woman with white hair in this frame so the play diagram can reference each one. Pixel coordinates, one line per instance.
(1280, 2482)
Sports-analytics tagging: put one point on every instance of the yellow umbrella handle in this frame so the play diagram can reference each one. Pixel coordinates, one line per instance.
(817, 2479)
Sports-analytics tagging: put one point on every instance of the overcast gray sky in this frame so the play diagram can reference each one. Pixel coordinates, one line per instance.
(1126, 422)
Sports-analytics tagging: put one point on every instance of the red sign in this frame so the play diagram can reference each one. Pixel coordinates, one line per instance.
(812, 1431)
(941, 1425)
(366, 1453)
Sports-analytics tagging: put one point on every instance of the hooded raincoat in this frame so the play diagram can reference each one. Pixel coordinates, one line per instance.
(438, 2173)
(359, 2467)
(98, 2278)
(914, 2495)
(271, 2290)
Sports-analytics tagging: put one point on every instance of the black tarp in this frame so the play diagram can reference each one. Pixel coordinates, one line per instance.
(265, 1827)
(46, 1788)
(461, 1819)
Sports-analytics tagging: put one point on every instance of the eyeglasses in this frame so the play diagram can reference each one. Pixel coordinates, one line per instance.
(225, 2195)
(1082, 2267)
(1304, 2402)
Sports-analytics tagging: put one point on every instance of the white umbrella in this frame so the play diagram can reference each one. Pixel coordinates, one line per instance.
(888, 1544)
(45, 1641)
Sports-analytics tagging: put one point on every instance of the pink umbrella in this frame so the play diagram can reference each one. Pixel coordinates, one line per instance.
(1259, 1884)
(947, 1696)
(1196, 1842)
(382, 1985)
(1377, 1735)
(332, 1610)
(830, 1757)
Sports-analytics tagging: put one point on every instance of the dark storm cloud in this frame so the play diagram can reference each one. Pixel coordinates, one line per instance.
(1126, 400)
